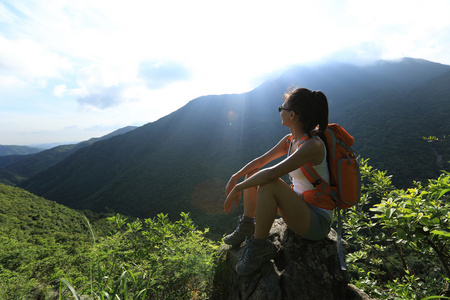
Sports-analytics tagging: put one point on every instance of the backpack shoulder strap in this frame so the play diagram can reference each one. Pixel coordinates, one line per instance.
(288, 143)
(316, 180)
(311, 173)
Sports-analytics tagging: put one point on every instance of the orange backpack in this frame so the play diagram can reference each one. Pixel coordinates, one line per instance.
(344, 189)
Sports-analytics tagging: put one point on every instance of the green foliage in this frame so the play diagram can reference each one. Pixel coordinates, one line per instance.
(435, 139)
(152, 259)
(400, 247)
(40, 241)
(48, 249)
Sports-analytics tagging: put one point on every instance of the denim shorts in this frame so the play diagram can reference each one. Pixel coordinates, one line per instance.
(320, 224)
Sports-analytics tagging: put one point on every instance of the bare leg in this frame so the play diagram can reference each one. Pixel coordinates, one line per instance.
(246, 227)
(250, 197)
(291, 206)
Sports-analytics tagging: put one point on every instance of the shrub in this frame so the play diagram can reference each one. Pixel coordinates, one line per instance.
(151, 259)
(400, 248)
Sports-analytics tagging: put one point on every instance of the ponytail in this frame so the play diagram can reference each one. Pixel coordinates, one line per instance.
(311, 107)
(321, 108)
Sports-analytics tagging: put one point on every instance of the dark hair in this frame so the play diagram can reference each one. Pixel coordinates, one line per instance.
(311, 107)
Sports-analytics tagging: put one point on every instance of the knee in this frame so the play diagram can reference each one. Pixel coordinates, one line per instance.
(267, 188)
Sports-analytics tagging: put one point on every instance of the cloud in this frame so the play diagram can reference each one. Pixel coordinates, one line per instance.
(361, 53)
(25, 58)
(99, 86)
(107, 97)
(10, 82)
(158, 74)
(60, 90)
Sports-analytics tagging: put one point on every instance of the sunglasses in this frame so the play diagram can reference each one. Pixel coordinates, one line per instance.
(280, 108)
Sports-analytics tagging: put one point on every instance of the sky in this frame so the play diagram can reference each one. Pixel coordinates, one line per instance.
(73, 70)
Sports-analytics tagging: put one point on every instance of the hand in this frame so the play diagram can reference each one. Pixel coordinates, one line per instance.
(230, 185)
(233, 196)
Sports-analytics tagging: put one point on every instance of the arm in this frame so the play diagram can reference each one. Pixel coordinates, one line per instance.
(311, 151)
(278, 150)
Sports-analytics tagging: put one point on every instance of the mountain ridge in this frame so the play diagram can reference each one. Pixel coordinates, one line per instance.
(18, 150)
(16, 168)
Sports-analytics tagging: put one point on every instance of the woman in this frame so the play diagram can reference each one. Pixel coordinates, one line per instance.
(305, 113)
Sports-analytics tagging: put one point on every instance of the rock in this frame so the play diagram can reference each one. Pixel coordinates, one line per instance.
(302, 269)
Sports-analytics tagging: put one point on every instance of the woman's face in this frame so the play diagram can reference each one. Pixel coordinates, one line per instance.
(285, 113)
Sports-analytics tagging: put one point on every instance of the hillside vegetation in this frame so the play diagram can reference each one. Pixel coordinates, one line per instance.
(40, 241)
(17, 150)
(47, 249)
(398, 247)
(398, 239)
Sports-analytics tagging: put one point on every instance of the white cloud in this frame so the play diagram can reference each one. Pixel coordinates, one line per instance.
(11, 82)
(28, 59)
(60, 90)
(95, 77)
(99, 86)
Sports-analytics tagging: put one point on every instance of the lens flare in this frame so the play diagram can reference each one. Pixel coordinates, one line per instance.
(231, 116)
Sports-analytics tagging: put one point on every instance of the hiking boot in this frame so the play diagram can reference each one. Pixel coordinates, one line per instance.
(245, 229)
(254, 255)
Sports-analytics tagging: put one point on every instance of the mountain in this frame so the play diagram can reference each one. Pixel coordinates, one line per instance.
(182, 161)
(16, 168)
(46, 146)
(17, 150)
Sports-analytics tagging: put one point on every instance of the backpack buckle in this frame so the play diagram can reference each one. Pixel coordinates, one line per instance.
(318, 181)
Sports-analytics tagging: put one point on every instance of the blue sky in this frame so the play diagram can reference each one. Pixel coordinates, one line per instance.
(72, 70)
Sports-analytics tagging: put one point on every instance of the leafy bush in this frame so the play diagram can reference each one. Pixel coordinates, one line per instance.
(153, 259)
(400, 247)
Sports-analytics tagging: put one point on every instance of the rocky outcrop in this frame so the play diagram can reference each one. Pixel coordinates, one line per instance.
(301, 270)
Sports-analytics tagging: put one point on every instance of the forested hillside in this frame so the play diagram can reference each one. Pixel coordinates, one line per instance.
(46, 248)
(182, 161)
(16, 168)
(17, 150)
(40, 240)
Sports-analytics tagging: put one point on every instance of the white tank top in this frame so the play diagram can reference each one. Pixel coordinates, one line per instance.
(301, 183)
